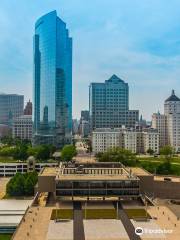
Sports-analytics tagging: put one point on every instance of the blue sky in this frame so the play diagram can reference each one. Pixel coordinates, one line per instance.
(138, 40)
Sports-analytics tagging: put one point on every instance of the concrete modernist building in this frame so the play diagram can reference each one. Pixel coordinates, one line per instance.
(109, 105)
(11, 107)
(172, 113)
(22, 127)
(105, 180)
(135, 141)
(159, 122)
(89, 180)
(52, 106)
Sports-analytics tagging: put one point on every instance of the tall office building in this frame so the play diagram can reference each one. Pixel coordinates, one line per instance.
(109, 105)
(28, 108)
(85, 115)
(168, 124)
(172, 113)
(11, 107)
(52, 107)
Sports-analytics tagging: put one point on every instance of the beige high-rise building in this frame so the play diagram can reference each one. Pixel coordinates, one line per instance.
(151, 141)
(172, 113)
(22, 127)
(135, 141)
(159, 122)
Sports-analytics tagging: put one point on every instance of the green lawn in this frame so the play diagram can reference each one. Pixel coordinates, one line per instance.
(5, 236)
(62, 214)
(157, 159)
(99, 214)
(7, 159)
(151, 166)
(88, 214)
(137, 213)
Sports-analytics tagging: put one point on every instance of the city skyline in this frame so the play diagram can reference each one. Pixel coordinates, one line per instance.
(147, 60)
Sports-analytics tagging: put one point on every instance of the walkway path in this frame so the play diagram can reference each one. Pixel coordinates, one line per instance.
(78, 230)
(126, 222)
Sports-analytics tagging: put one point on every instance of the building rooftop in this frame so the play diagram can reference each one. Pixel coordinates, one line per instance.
(114, 78)
(91, 172)
(95, 177)
(49, 171)
(172, 98)
(140, 171)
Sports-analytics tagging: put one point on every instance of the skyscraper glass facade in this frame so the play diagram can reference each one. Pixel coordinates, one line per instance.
(109, 105)
(11, 107)
(52, 108)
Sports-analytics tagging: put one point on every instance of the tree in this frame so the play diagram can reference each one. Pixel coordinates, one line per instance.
(28, 186)
(167, 151)
(15, 186)
(118, 154)
(164, 168)
(7, 140)
(150, 151)
(22, 184)
(20, 152)
(68, 152)
(7, 151)
(42, 152)
(98, 156)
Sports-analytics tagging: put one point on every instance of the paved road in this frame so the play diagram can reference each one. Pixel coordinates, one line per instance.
(127, 223)
(78, 227)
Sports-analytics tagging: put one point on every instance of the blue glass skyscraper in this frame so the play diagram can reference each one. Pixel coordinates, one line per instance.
(52, 107)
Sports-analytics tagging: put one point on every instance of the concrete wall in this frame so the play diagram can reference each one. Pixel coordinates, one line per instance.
(146, 184)
(167, 189)
(160, 189)
(46, 184)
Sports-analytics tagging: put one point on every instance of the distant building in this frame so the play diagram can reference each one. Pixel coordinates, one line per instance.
(84, 128)
(135, 141)
(109, 105)
(130, 141)
(22, 127)
(85, 115)
(8, 169)
(159, 122)
(105, 138)
(142, 122)
(52, 106)
(168, 124)
(151, 140)
(28, 108)
(11, 107)
(75, 126)
(172, 113)
(5, 130)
